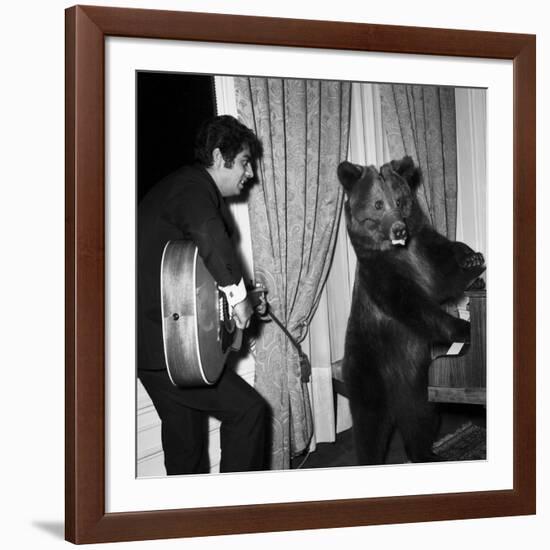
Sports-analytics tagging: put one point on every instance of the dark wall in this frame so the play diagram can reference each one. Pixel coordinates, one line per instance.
(170, 108)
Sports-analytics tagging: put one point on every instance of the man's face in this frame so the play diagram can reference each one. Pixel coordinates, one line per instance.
(233, 180)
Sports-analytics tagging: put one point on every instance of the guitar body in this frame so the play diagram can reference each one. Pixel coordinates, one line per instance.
(194, 312)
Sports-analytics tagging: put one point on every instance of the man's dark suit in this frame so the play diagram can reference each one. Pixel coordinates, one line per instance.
(188, 205)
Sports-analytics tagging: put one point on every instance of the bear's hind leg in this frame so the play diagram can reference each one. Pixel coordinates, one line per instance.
(372, 425)
(371, 434)
(418, 426)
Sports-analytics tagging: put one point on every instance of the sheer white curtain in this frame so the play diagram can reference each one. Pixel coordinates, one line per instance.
(471, 227)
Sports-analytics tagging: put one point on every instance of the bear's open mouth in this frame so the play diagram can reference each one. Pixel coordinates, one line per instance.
(398, 242)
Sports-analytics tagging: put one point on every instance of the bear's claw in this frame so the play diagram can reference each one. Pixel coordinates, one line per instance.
(478, 284)
(470, 261)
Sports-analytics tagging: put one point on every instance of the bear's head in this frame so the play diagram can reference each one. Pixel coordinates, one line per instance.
(381, 208)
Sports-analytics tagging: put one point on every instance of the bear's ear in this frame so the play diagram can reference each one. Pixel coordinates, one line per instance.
(348, 174)
(408, 171)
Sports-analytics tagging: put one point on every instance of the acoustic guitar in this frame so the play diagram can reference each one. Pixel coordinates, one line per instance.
(197, 328)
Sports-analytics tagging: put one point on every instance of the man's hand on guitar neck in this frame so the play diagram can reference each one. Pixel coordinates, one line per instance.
(242, 313)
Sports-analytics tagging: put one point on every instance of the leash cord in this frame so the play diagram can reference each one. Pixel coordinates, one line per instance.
(305, 365)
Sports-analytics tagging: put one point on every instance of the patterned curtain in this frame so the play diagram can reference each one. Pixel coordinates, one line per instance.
(420, 121)
(294, 214)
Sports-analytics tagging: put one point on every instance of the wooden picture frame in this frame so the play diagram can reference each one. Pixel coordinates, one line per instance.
(86, 30)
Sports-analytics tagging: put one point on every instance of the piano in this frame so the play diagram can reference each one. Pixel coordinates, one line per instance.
(457, 374)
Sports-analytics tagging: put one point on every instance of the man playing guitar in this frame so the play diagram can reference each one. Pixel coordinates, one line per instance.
(189, 204)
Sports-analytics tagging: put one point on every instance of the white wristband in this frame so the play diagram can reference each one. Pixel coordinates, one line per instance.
(234, 293)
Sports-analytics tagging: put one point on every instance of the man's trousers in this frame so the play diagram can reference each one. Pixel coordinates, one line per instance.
(183, 412)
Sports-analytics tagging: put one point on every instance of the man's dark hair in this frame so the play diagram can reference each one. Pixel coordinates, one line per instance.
(230, 137)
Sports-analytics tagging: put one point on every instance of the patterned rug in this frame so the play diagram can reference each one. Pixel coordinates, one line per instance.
(469, 442)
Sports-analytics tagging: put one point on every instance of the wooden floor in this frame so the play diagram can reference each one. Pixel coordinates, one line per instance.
(342, 453)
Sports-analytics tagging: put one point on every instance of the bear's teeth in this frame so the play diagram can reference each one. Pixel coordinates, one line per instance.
(398, 241)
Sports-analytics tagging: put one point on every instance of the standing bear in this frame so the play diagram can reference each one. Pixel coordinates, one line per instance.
(405, 272)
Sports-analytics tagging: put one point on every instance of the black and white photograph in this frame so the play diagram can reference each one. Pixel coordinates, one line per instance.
(275, 275)
(311, 273)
